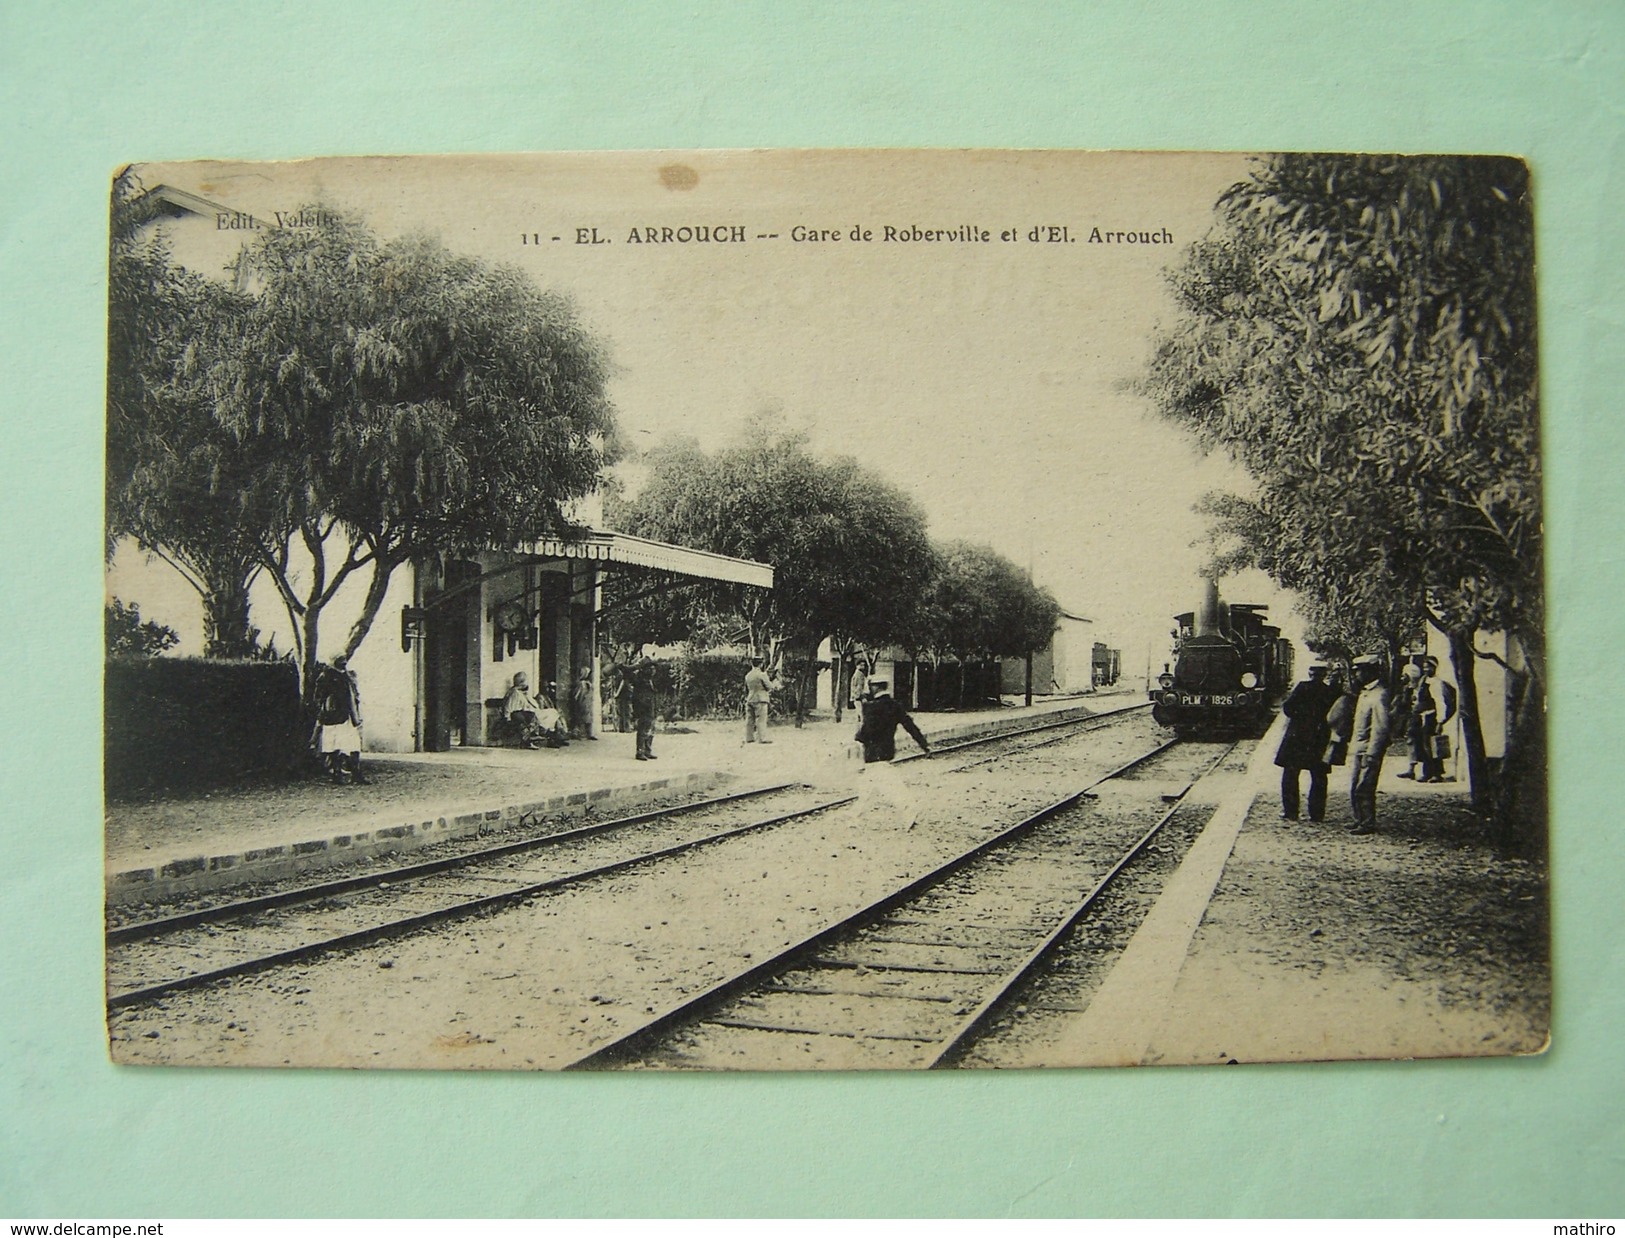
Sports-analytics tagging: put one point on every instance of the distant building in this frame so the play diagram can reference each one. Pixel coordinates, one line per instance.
(1065, 665)
(1106, 665)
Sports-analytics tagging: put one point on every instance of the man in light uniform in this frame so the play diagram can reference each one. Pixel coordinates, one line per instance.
(758, 692)
(1373, 723)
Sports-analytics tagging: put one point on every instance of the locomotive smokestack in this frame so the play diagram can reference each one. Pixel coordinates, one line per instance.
(1207, 611)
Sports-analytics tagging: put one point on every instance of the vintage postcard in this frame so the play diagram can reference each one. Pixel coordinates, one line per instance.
(781, 610)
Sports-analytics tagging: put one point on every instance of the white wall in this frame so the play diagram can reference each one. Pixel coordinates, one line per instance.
(386, 674)
(1074, 654)
(1492, 681)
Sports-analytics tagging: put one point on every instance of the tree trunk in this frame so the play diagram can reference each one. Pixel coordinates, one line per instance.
(1520, 792)
(807, 664)
(377, 587)
(839, 681)
(226, 633)
(1464, 659)
(310, 622)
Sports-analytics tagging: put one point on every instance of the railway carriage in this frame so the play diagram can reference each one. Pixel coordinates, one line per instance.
(1230, 668)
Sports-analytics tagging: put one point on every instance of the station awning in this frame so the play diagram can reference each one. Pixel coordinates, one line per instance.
(633, 551)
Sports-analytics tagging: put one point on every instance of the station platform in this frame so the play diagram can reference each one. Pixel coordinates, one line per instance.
(1296, 941)
(175, 844)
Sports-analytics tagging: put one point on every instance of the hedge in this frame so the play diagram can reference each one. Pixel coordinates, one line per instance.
(193, 723)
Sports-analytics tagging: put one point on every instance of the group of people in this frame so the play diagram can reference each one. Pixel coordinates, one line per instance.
(531, 717)
(534, 721)
(1330, 721)
(881, 713)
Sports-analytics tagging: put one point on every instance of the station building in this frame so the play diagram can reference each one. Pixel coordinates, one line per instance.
(468, 625)
(451, 631)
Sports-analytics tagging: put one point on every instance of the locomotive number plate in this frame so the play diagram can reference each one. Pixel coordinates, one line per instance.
(1207, 699)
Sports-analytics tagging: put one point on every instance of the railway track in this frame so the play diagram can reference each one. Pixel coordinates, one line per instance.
(915, 978)
(154, 958)
(1029, 739)
(151, 959)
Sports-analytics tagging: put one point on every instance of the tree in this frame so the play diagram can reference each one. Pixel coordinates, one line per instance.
(981, 606)
(849, 550)
(129, 637)
(885, 563)
(175, 479)
(391, 400)
(1345, 616)
(1358, 332)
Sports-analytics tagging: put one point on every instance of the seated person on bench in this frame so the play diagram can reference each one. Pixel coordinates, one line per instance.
(531, 717)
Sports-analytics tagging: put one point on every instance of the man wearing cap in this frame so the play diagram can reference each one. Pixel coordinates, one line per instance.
(1447, 701)
(1420, 718)
(881, 717)
(882, 788)
(1303, 746)
(758, 692)
(859, 688)
(1373, 720)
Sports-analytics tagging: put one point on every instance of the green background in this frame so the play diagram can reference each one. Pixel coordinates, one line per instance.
(89, 86)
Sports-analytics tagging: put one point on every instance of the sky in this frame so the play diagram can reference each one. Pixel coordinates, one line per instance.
(989, 378)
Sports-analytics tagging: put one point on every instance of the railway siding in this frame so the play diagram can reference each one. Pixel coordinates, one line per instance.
(968, 931)
(241, 841)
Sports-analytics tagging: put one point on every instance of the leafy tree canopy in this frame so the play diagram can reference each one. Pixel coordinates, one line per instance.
(981, 605)
(1359, 333)
(176, 480)
(384, 399)
(849, 550)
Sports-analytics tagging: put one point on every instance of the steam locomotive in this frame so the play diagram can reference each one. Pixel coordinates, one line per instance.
(1229, 670)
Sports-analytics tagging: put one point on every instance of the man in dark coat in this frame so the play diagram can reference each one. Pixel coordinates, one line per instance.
(1303, 747)
(643, 706)
(881, 717)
